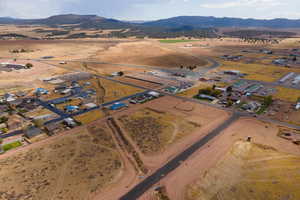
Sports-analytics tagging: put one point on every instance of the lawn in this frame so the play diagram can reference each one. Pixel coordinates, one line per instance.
(9, 146)
(175, 41)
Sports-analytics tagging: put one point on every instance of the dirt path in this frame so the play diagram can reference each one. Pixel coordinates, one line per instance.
(61, 178)
(175, 133)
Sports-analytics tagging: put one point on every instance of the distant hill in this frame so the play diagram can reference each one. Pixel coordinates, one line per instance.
(187, 26)
(213, 22)
(82, 21)
(180, 23)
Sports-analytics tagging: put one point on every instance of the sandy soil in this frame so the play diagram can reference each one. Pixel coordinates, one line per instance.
(147, 53)
(250, 171)
(206, 117)
(59, 49)
(208, 156)
(27, 78)
(46, 170)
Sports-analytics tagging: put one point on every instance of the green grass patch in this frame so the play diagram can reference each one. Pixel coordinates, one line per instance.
(175, 41)
(9, 146)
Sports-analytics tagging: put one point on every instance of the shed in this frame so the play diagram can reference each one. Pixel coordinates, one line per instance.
(52, 128)
(154, 94)
(70, 122)
(118, 105)
(71, 108)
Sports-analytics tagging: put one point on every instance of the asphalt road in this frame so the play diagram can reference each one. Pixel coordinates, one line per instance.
(14, 133)
(64, 115)
(273, 84)
(153, 179)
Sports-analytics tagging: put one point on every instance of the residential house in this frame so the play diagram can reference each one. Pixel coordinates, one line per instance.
(32, 132)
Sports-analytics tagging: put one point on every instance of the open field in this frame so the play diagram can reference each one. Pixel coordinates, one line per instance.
(147, 53)
(162, 127)
(284, 111)
(257, 72)
(109, 91)
(287, 94)
(250, 171)
(175, 41)
(89, 117)
(59, 49)
(27, 78)
(73, 166)
(152, 130)
(206, 159)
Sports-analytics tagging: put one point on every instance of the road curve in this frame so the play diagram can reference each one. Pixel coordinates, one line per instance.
(153, 179)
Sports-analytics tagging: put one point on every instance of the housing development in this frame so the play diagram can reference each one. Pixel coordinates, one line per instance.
(94, 113)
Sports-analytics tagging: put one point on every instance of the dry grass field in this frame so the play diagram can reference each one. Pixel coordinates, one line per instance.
(154, 130)
(109, 91)
(25, 79)
(250, 171)
(73, 166)
(258, 72)
(89, 117)
(287, 94)
(147, 53)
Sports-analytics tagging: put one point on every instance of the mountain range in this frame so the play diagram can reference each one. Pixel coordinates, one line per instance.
(189, 22)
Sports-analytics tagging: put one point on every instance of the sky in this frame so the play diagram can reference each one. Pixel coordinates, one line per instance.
(152, 9)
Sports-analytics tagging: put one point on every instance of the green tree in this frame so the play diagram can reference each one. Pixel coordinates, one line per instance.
(1, 141)
(268, 100)
(29, 65)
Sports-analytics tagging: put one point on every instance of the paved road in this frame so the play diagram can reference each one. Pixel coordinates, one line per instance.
(14, 133)
(153, 179)
(64, 115)
(273, 84)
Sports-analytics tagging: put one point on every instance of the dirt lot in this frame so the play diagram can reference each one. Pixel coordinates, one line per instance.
(258, 72)
(73, 166)
(147, 53)
(109, 91)
(214, 152)
(59, 49)
(152, 130)
(27, 78)
(89, 117)
(180, 124)
(284, 111)
(250, 171)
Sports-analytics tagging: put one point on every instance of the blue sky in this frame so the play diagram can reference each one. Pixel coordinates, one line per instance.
(153, 9)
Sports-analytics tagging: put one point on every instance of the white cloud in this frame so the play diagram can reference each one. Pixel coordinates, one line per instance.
(243, 3)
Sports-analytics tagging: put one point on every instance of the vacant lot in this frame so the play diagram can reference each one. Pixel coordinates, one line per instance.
(258, 72)
(287, 94)
(89, 117)
(109, 90)
(250, 171)
(153, 130)
(147, 53)
(25, 79)
(176, 41)
(70, 167)
(59, 49)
